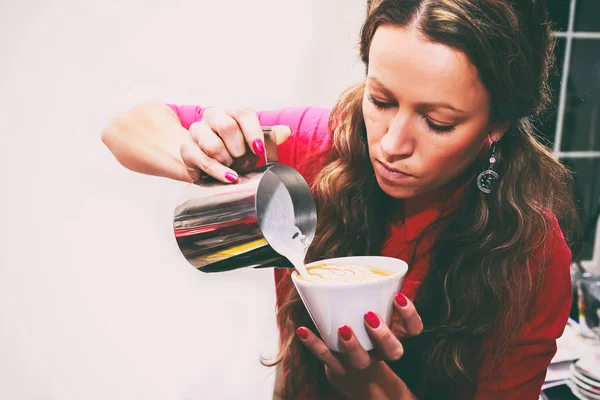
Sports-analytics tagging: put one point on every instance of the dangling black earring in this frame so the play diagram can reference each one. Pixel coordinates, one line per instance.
(487, 179)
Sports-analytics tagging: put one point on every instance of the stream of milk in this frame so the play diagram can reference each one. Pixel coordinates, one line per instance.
(280, 230)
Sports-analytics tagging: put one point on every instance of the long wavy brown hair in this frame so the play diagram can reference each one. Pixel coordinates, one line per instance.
(479, 277)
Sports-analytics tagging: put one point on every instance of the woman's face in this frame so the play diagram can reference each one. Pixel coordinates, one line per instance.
(426, 112)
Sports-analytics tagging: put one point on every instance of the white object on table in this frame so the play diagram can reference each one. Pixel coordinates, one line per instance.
(570, 346)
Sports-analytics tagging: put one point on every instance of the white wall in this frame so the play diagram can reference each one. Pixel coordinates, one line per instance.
(95, 300)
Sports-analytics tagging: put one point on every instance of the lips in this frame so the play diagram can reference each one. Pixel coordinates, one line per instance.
(391, 175)
(397, 171)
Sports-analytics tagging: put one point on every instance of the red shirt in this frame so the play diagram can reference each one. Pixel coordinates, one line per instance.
(522, 369)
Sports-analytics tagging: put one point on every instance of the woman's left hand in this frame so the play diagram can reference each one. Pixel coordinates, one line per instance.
(355, 369)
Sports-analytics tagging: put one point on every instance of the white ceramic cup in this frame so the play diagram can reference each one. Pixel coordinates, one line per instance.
(333, 305)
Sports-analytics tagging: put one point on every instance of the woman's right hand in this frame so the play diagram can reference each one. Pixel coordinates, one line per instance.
(222, 137)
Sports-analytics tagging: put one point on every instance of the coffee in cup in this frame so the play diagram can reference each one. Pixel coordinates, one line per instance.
(343, 273)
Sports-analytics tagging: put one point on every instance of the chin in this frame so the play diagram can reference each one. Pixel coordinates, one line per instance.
(396, 191)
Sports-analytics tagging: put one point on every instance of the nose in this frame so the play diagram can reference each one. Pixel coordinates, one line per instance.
(398, 142)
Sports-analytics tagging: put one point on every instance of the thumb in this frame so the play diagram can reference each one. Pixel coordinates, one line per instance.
(280, 133)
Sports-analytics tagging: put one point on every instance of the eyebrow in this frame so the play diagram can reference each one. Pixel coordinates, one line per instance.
(428, 106)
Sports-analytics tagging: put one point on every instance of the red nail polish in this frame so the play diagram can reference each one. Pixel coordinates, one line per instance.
(345, 332)
(302, 332)
(372, 320)
(258, 147)
(401, 300)
(231, 177)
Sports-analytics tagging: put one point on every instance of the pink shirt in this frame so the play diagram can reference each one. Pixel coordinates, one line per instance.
(303, 151)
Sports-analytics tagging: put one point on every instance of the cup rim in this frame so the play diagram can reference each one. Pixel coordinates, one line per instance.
(400, 273)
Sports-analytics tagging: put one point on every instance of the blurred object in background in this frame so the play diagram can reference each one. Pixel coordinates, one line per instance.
(588, 291)
(572, 127)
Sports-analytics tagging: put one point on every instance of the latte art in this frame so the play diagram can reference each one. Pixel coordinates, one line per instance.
(340, 273)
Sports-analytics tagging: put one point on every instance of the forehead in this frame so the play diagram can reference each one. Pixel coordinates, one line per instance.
(416, 68)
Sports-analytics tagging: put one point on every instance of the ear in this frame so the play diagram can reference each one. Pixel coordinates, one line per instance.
(498, 129)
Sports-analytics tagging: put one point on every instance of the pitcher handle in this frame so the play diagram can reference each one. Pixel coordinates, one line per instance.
(271, 156)
(248, 161)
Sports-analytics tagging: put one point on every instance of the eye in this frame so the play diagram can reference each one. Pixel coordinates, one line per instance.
(435, 128)
(380, 104)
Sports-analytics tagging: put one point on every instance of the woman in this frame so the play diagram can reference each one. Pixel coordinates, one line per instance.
(433, 159)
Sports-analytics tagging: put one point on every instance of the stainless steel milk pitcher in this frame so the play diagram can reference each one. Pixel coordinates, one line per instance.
(221, 227)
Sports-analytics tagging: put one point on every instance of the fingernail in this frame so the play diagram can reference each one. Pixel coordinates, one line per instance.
(230, 176)
(258, 147)
(372, 320)
(401, 300)
(345, 333)
(302, 332)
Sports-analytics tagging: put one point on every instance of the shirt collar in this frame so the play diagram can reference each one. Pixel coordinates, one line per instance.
(421, 213)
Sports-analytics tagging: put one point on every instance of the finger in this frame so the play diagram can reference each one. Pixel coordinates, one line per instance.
(356, 355)
(228, 130)
(320, 350)
(410, 319)
(281, 133)
(250, 126)
(397, 327)
(210, 143)
(193, 157)
(389, 346)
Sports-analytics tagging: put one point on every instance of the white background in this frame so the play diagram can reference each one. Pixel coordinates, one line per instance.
(95, 300)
